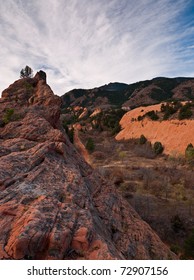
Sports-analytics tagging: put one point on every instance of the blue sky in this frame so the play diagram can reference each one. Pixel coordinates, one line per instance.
(88, 43)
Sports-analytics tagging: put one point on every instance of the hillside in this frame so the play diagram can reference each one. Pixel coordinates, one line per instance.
(53, 205)
(175, 135)
(147, 92)
(103, 106)
(159, 186)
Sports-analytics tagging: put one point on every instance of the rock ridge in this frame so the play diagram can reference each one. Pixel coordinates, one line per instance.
(53, 205)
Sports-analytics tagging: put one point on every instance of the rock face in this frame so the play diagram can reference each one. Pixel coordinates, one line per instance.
(174, 135)
(53, 205)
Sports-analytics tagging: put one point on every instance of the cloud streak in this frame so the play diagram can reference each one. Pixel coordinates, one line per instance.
(89, 43)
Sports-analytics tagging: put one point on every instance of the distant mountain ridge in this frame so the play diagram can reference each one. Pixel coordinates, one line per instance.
(146, 92)
(115, 86)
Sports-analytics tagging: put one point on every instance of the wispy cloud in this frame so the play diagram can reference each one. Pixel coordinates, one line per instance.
(89, 43)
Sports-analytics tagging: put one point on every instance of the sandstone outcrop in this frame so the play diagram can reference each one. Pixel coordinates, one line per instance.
(174, 135)
(53, 205)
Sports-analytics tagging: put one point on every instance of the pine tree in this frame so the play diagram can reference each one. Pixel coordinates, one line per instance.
(26, 72)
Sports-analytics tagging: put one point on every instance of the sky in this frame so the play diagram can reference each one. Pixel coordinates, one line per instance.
(89, 43)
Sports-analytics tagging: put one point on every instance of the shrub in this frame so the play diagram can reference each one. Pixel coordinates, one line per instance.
(26, 72)
(140, 118)
(189, 146)
(116, 129)
(108, 119)
(142, 139)
(166, 116)
(170, 108)
(185, 112)
(8, 116)
(189, 152)
(122, 155)
(90, 146)
(152, 115)
(177, 224)
(158, 148)
(189, 246)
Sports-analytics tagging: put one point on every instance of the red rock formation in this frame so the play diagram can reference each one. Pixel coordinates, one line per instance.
(53, 205)
(174, 135)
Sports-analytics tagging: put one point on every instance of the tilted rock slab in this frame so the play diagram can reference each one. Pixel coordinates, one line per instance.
(53, 205)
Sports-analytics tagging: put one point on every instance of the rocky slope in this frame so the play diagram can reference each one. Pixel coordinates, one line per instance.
(53, 205)
(174, 135)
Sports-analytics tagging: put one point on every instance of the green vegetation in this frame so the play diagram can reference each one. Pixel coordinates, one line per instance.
(151, 114)
(108, 120)
(116, 97)
(72, 119)
(122, 155)
(167, 85)
(26, 72)
(185, 111)
(170, 108)
(189, 246)
(90, 146)
(116, 129)
(140, 118)
(177, 224)
(158, 148)
(189, 152)
(29, 87)
(160, 95)
(69, 131)
(8, 116)
(142, 139)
